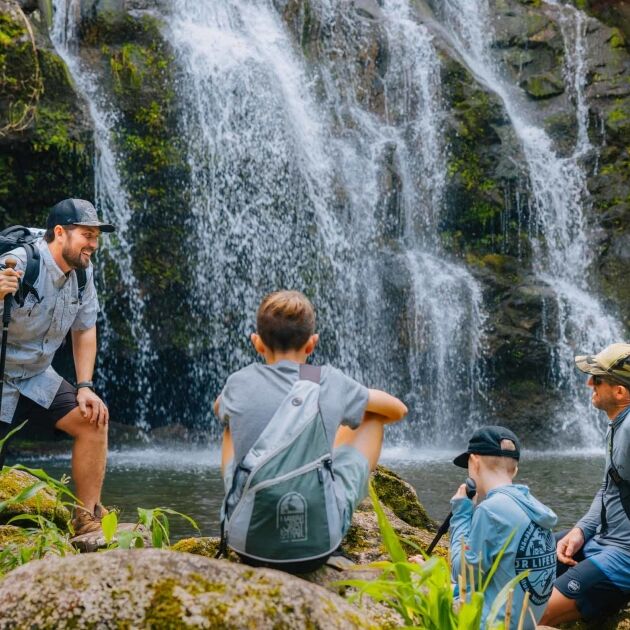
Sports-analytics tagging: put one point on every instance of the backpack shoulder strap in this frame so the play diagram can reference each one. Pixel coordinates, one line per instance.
(310, 373)
(81, 282)
(31, 273)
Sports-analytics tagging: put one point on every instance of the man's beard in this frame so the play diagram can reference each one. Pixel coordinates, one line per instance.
(75, 260)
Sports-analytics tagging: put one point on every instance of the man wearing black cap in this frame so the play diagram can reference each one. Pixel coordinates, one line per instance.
(507, 515)
(594, 556)
(58, 305)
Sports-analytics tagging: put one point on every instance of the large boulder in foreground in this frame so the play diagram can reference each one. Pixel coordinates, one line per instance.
(44, 502)
(151, 588)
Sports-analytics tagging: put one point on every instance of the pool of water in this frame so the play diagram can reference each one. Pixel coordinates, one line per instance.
(188, 480)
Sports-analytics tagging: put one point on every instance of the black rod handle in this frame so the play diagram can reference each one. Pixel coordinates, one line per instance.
(9, 263)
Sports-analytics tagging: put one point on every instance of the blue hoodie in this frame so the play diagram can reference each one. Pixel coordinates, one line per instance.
(486, 528)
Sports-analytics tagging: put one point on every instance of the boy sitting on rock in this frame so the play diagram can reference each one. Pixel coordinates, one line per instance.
(299, 443)
(505, 509)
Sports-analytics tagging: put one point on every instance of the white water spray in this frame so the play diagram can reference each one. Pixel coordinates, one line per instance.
(558, 195)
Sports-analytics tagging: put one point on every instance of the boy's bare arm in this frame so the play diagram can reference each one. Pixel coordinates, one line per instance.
(384, 406)
(227, 449)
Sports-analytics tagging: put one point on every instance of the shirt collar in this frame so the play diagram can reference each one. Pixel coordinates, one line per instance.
(621, 416)
(57, 276)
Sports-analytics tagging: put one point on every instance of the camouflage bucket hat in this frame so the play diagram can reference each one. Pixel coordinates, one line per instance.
(613, 362)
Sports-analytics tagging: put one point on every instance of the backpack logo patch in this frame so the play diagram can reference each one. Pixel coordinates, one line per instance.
(536, 553)
(291, 521)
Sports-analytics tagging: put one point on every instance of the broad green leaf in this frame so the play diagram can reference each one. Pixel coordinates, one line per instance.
(109, 525)
(9, 434)
(501, 598)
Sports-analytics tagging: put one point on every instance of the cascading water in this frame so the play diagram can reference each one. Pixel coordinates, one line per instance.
(111, 202)
(298, 180)
(557, 198)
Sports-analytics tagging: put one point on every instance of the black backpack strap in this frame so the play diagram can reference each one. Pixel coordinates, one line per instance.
(82, 282)
(623, 486)
(31, 273)
(310, 373)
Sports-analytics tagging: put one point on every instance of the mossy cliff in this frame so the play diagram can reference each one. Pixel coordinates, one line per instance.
(46, 153)
(46, 148)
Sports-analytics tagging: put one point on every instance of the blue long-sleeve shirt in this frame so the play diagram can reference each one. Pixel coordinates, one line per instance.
(485, 529)
(618, 524)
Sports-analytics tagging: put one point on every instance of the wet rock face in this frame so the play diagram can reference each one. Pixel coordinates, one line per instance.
(122, 42)
(45, 131)
(151, 588)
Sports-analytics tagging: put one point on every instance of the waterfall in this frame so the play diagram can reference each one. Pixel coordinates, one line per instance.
(112, 203)
(301, 179)
(558, 197)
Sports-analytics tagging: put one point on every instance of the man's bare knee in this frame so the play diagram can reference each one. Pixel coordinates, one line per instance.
(75, 425)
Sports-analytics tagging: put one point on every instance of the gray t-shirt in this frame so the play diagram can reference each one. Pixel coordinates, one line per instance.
(253, 394)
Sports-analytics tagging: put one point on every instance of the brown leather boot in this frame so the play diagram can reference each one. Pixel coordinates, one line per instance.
(86, 522)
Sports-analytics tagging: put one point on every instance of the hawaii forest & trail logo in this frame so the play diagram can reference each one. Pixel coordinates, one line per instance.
(291, 518)
(536, 553)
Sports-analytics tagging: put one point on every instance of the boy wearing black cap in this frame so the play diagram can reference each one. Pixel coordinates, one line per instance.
(505, 509)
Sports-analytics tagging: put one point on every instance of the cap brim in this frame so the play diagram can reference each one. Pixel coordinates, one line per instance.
(104, 227)
(462, 460)
(587, 364)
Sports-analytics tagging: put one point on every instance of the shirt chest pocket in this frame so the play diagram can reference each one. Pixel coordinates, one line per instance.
(69, 314)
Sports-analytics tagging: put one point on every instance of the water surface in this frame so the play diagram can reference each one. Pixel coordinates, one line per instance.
(189, 481)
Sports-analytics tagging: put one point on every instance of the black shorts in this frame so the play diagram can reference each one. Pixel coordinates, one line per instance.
(40, 419)
(595, 595)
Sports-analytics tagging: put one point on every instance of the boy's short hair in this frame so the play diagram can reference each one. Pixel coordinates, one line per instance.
(505, 464)
(285, 320)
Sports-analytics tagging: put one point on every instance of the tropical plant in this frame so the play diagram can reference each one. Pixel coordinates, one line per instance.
(43, 537)
(423, 594)
(153, 520)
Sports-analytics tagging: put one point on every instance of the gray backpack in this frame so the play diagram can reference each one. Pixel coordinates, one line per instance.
(281, 509)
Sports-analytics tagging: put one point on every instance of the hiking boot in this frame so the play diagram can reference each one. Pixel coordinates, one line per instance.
(86, 522)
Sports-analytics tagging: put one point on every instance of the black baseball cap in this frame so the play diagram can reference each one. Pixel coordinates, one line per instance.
(487, 441)
(76, 212)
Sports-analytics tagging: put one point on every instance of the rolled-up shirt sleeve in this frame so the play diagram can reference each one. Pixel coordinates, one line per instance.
(89, 307)
(355, 399)
(225, 405)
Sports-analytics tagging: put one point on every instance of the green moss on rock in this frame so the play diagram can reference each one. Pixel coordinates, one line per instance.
(44, 502)
(542, 86)
(11, 534)
(207, 547)
(401, 498)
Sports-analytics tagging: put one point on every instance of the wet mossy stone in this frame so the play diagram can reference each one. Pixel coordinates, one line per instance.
(150, 588)
(10, 534)
(541, 86)
(401, 498)
(44, 502)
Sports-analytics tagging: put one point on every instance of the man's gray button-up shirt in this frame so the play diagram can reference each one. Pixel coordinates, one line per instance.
(37, 330)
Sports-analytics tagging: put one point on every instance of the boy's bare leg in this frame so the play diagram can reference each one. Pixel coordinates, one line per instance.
(89, 456)
(560, 609)
(367, 438)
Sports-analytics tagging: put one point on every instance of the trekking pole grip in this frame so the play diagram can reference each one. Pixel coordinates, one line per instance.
(9, 263)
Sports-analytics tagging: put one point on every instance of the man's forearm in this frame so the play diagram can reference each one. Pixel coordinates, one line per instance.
(84, 352)
(593, 518)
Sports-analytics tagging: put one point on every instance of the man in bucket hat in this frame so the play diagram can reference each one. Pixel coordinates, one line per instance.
(594, 557)
(63, 299)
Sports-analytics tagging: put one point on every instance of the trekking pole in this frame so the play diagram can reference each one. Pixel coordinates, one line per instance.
(471, 491)
(6, 318)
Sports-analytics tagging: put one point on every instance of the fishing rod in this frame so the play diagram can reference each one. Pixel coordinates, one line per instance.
(471, 491)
